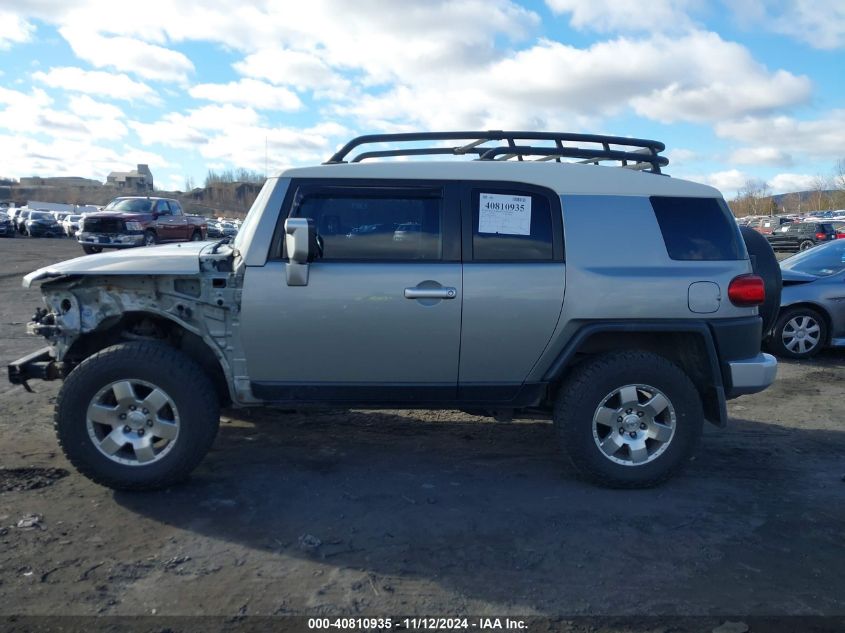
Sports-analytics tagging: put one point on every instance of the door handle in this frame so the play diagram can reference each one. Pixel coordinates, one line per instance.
(430, 293)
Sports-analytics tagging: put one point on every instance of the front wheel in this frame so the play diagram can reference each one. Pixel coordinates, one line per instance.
(137, 416)
(150, 238)
(91, 250)
(799, 333)
(628, 419)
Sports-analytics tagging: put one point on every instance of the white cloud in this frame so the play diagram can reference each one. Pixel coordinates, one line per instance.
(127, 54)
(761, 156)
(819, 23)
(728, 181)
(15, 30)
(298, 69)
(626, 15)
(85, 106)
(105, 85)
(783, 183)
(821, 138)
(249, 92)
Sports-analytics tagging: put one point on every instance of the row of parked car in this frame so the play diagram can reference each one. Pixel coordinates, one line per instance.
(798, 233)
(38, 223)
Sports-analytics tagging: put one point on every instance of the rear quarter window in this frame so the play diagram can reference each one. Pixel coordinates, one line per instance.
(697, 228)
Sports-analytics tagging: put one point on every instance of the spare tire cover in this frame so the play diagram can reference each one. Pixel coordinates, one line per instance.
(765, 264)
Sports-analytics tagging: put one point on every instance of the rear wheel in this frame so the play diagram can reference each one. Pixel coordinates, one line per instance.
(765, 264)
(628, 419)
(137, 416)
(799, 333)
(806, 245)
(196, 237)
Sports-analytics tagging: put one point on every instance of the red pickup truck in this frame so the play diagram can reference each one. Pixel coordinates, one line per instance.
(139, 221)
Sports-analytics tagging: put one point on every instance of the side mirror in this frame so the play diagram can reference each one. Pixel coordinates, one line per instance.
(302, 248)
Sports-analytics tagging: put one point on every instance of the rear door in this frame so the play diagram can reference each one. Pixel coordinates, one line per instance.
(380, 317)
(514, 280)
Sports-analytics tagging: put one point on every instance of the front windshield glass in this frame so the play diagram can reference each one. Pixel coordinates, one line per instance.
(821, 261)
(40, 215)
(131, 205)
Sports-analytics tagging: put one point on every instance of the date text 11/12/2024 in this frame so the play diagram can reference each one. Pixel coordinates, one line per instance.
(418, 624)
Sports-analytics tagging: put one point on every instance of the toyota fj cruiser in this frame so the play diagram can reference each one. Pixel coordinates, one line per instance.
(617, 301)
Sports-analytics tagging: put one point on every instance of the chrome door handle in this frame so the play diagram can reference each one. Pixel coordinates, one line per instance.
(430, 293)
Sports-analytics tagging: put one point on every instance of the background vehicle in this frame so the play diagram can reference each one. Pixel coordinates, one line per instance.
(139, 221)
(7, 227)
(20, 221)
(799, 236)
(812, 309)
(70, 224)
(42, 224)
(511, 300)
(839, 227)
(767, 226)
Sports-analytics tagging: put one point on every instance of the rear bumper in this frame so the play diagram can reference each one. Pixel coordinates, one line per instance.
(39, 364)
(751, 375)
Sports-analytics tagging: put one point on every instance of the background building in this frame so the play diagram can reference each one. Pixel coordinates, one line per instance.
(140, 179)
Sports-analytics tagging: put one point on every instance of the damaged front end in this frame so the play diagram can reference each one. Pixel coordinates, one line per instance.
(197, 313)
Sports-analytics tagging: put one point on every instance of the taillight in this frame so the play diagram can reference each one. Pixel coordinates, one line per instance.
(821, 236)
(747, 291)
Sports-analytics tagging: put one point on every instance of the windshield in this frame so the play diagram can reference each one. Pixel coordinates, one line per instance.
(40, 215)
(130, 205)
(821, 261)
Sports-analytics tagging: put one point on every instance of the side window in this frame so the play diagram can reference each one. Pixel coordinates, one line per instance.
(370, 224)
(163, 207)
(175, 207)
(697, 228)
(511, 225)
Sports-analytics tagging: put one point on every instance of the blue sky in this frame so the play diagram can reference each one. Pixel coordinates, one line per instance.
(737, 90)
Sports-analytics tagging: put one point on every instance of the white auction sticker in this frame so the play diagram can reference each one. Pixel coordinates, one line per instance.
(509, 215)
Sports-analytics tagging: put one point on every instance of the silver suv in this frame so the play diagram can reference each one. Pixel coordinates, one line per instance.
(618, 302)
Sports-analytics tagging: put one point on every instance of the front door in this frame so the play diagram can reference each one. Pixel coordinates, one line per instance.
(380, 317)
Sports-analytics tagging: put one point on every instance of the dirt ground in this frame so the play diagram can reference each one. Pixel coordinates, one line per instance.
(414, 512)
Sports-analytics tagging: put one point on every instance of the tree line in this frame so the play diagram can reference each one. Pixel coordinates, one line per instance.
(826, 193)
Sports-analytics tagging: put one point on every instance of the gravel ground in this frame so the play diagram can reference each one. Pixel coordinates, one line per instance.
(415, 512)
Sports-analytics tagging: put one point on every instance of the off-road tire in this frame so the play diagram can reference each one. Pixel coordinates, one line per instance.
(583, 391)
(775, 343)
(158, 364)
(765, 264)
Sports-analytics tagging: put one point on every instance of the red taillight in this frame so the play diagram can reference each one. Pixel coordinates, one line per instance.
(840, 235)
(821, 236)
(747, 291)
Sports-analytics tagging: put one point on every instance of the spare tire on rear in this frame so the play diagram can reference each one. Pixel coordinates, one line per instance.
(765, 264)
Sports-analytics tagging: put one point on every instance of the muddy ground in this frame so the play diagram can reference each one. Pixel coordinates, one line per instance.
(414, 512)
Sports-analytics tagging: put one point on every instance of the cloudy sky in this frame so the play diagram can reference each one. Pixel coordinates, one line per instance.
(736, 89)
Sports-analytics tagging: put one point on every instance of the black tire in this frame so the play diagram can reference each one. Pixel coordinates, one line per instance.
(196, 236)
(787, 320)
(806, 245)
(150, 238)
(765, 264)
(587, 387)
(168, 370)
(91, 250)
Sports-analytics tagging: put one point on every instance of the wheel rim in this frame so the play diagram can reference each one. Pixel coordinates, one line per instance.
(805, 246)
(149, 240)
(634, 425)
(133, 422)
(801, 334)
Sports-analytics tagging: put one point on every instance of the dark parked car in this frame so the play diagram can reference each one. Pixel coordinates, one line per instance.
(812, 313)
(7, 227)
(43, 224)
(799, 236)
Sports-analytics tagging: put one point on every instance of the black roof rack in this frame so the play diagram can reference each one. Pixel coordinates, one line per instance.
(632, 153)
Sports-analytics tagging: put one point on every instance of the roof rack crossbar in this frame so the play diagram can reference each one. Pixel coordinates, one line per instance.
(639, 151)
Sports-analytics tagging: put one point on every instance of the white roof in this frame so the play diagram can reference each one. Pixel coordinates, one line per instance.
(563, 178)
